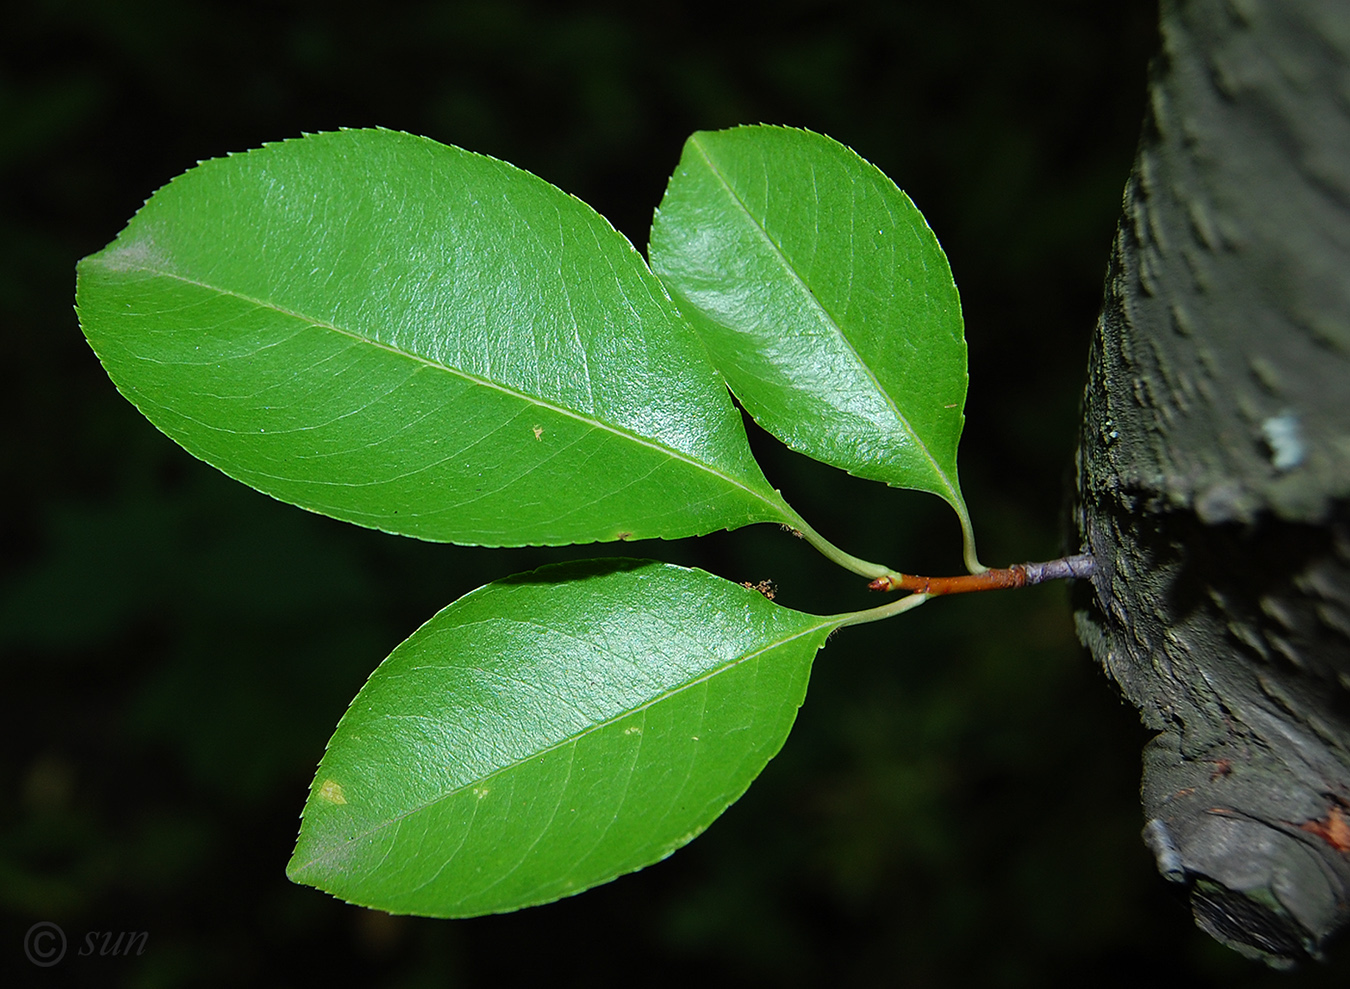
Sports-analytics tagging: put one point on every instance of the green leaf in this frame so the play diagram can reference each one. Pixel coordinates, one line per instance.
(549, 732)
(419, 339)
(824, 299)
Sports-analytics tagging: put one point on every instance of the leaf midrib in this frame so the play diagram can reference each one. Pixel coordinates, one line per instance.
(458, 372)
(828, 316)
(573, 738)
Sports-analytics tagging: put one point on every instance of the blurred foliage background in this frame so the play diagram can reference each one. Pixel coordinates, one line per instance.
(958, 799)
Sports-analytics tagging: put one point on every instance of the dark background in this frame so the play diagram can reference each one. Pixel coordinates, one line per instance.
(958, 798)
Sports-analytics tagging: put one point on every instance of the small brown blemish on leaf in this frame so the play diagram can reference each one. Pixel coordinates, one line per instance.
(538, 432)
(1334, 829)
(766, 587)
(331, 790)
(624, 536)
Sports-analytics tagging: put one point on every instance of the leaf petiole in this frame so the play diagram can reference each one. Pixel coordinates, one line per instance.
(872, 571)
(897, 607)
(972, 560)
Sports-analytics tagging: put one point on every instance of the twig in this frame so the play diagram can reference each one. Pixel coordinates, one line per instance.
(1017, 575)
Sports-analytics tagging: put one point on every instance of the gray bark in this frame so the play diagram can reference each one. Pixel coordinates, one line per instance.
(1214, 468)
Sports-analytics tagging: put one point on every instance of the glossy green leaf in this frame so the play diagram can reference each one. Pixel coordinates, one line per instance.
(824, 299)
(549, 732)
(419, 339)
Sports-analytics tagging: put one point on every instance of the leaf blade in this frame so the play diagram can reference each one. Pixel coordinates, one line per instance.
(412, 337)
(824, 298)
(686, 683)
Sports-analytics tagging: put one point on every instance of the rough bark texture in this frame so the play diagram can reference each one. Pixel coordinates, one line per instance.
(1214, 468)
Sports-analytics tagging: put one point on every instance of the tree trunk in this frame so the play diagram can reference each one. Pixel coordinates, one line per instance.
(1214, 468)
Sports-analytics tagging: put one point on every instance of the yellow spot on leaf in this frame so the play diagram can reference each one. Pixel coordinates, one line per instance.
(480, 792)
(539, 432)
(632, 730)
(332, 792)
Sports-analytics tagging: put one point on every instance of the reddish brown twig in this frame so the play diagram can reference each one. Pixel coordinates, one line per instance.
(1017, 575)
